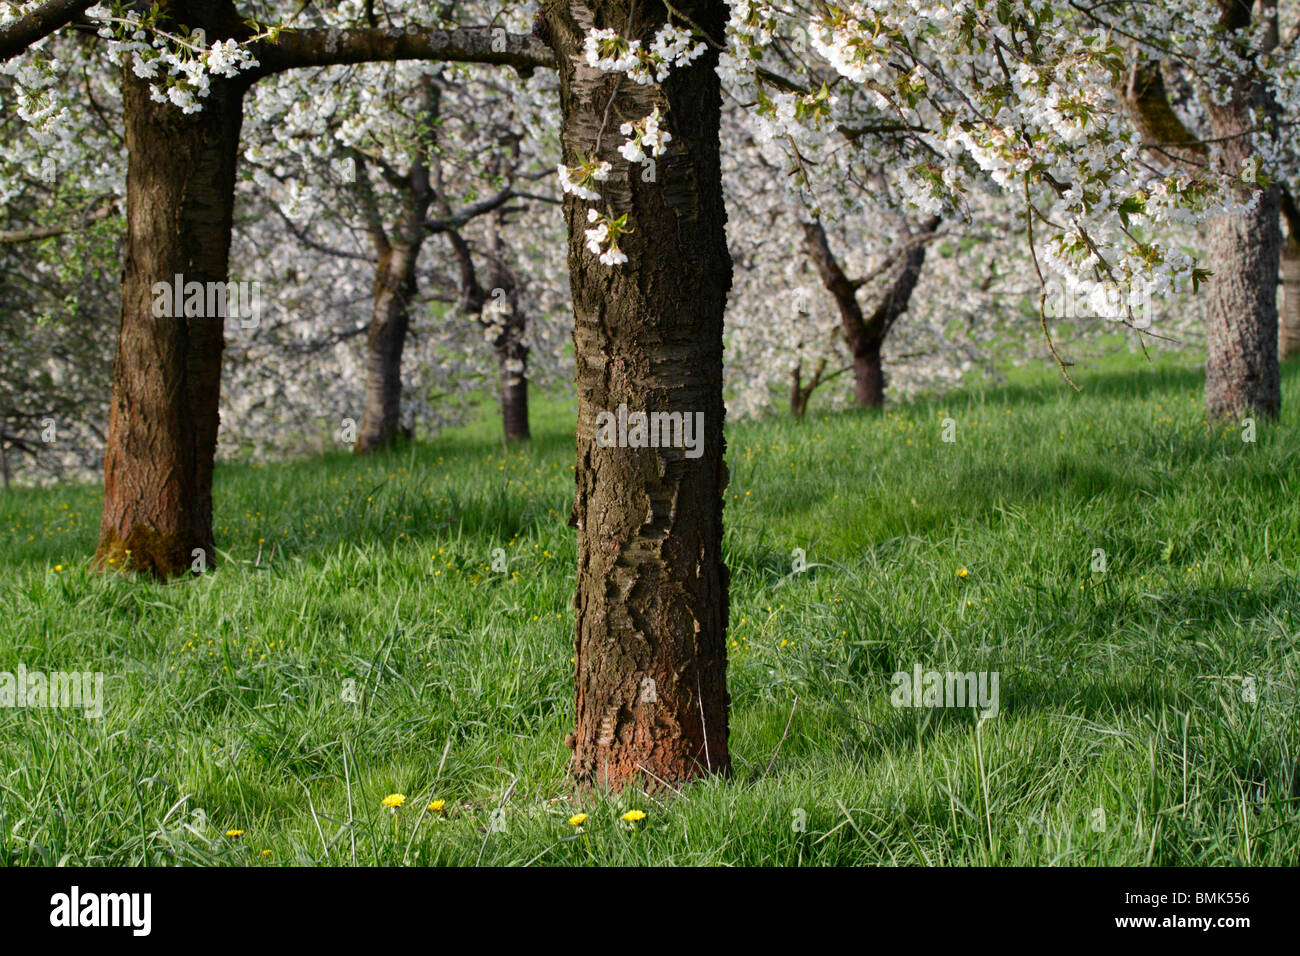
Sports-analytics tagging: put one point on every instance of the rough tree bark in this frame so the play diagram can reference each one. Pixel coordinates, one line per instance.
(163, 416)
(865, 334)
(1241, 366)
(650, 683)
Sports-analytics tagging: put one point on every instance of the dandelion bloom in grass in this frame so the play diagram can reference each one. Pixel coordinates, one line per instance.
(266, 853)
(234, 833)
(394, 800)
(437, 805)
(632, 816)
(577, 820)
(962, 572)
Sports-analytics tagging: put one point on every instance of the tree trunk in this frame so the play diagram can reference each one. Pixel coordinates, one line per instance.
(868, 374)
(865, 335)
(395, 285)
(4, 451)
(512, 353)
(163, 417)
(798, 394)
(390, 321)
(1241, 366)
(1289, 338)
(801, 394)
(651, 698)
(514, 394)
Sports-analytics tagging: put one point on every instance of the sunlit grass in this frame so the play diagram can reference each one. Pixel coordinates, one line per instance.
(356, 643)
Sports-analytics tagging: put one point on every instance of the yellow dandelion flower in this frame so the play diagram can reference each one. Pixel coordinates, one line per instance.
(234, 833)
(962, 572)
(632, 816)
(437, 805)
(394, 800)
(577, 820)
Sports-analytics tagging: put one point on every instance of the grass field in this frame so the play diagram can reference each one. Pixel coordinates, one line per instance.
(354, 643)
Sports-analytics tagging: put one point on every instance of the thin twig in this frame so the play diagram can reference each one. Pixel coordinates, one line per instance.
(664, 782)
(1042, 296)
(785, 732)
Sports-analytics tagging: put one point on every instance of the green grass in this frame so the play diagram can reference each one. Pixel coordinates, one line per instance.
(1120, 690)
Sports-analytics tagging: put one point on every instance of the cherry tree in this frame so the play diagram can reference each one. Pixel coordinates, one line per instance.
(426, 149)
(1027, 95)
(185, 75)
(786, 330)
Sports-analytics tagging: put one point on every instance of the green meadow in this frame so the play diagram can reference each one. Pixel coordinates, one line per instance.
(1128, 570)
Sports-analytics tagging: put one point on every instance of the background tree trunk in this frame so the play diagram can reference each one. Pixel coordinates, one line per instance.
(389, 323)
(868, 374)
(1241, 366)
(650, 683)
(798, 397)
(163, 417)
(1289, 338)
(4, 451)
(865, 334)
(395, 285)
(512, 353)
(1289, 331)
(514, 397)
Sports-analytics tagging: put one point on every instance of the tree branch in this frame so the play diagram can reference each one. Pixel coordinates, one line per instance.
(37, 233)
(1148, 102)
(473, 211)
(41, 22)
(294, 49)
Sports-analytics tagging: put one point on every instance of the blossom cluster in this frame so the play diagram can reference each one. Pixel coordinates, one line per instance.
(646, 139)
(180, 67)
(671, 47)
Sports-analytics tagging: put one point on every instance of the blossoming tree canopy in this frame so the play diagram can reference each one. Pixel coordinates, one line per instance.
(1026, 95)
